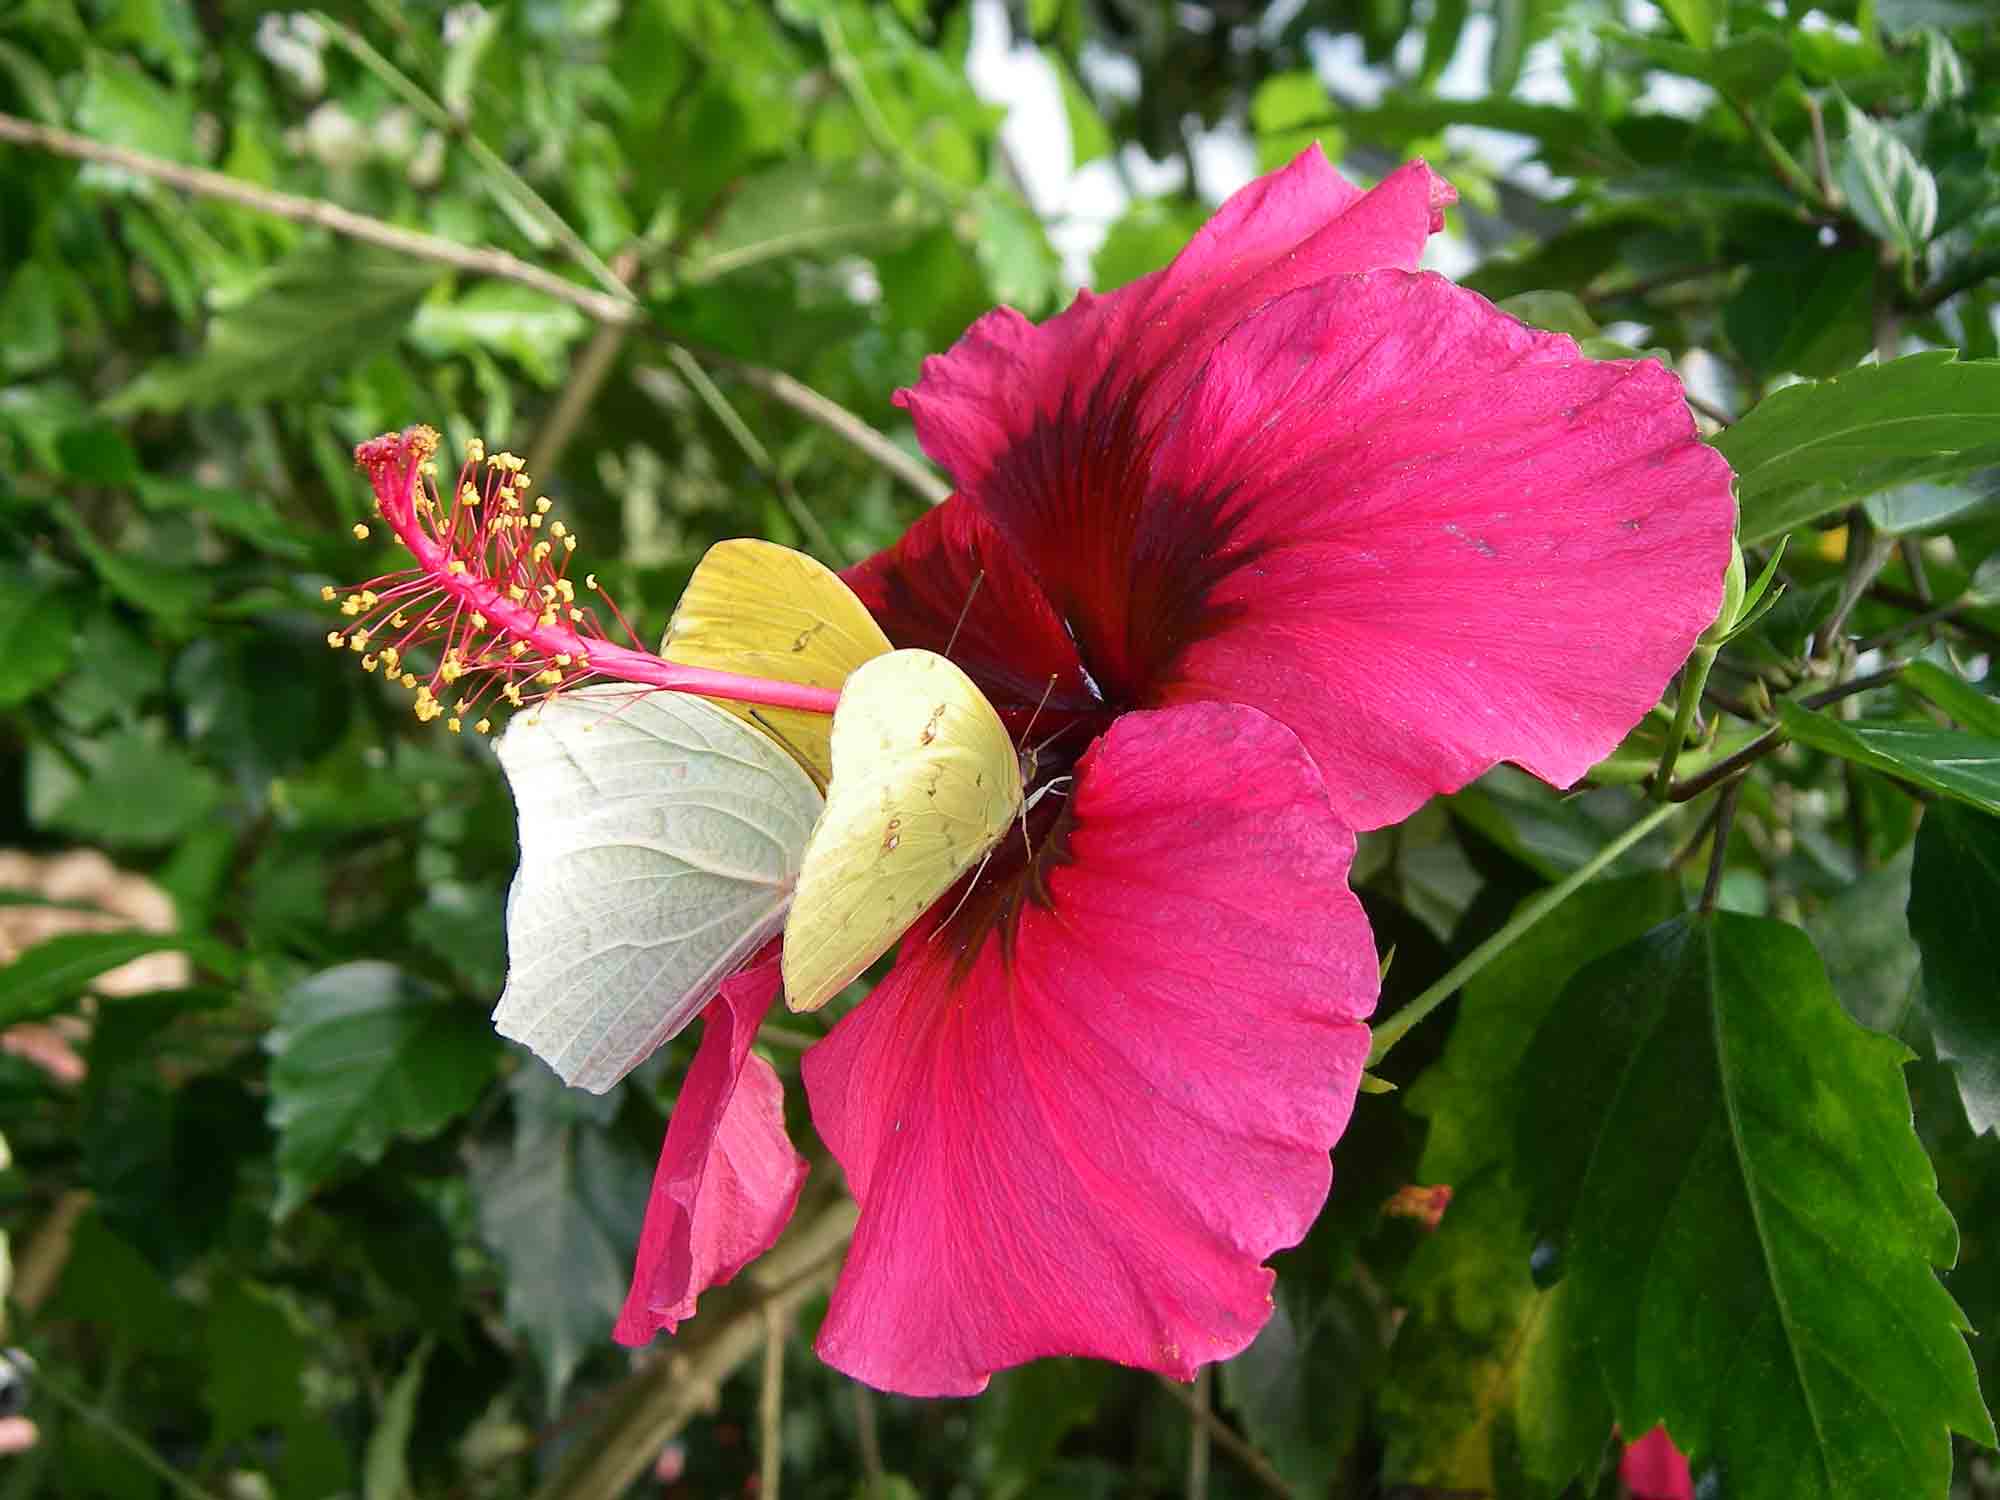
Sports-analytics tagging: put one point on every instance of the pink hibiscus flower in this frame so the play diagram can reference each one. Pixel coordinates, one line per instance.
(1270, 546)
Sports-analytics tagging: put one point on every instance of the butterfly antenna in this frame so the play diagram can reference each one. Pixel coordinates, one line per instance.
(977, 579)
(959, 905)
(791, 748)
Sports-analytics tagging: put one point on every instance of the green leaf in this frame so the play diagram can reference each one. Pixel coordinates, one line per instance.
(1014, 251)
(56, 970)
(1558, 312)
(137, 793)
(1740, 1206)
(1470, 1377)
(1145, 237)
(1958, 765)
(363, 1054)
(1088, 137)
(1973, 709)
(562, 1211)
(529, 327)
(121, 106)
(1696, 19)
(1889, 190)
(1912, 508)
(1819, 446)
(234, 511)
(1299, 1387)
(319, 310)
(1954, 892)
(255, 1359)
(805, 209)
(385, 1472)
(37, 638)
(1468, 1095)
(1027, 1414)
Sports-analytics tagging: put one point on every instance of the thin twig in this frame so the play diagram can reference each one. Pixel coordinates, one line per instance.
(1718, 855)
(586, 379)
(1198, 1433)
(835, 418)
(1821, 162)
(1854, 685)
(771, 1406)
(867, 1438)
(1724, 769)
(315, 211)
(120, 1435)
(600, 306)
(1708, 409)
(494, 169)
(1230, 1440)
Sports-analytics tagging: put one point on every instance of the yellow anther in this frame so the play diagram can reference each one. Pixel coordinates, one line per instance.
(335, 639)
(590, 582)
(518, 649)
(518, 594)
(535, 522)
(428, 468)
(358, 641)
(399, 620)
(549, 675)
(409, 679)
(556, 528)
(542, 551)
(508, 461)
(478, 620)
(327, 593)
(468, 493)
(450, 670)
(566, 589)
(484, 726)
(452, 724)
(455, 567)
(350, 605)
(583, 664)
(360, 532)
(392, 658)
(576, 615)
(546, 619)
(369, 598)
(542, 506)
(368, 662)
(512, 693)
(569, 544)
(475, 451)
(562, 658)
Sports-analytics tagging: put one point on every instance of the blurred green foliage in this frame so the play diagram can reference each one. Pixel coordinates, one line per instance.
(304, 1228)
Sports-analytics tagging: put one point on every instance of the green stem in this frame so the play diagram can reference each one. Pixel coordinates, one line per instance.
(1532, 911)
(1694, 682)
(501, 174)
(119, 1433)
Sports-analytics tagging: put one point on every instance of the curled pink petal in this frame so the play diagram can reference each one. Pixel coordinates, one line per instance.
(1082, 1131)
(728, 1177)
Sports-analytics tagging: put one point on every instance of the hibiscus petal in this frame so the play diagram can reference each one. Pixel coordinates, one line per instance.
(728, 1177)
(953, 581)
(1289, 229)
(1437, 539)
(1085, 1135)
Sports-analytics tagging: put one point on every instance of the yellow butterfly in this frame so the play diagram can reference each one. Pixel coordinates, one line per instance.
(767, 611)
(925, 782)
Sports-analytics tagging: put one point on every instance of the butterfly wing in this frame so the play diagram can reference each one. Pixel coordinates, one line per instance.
(660, 840)
(925, 782)
(767, 611)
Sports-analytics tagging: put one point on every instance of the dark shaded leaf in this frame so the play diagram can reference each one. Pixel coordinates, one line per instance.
(1954, 892)
(1958, 765)
(1740, 1206)
(362, 1055)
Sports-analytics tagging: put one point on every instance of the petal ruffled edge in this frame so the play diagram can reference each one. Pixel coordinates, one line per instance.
(728, 1176)
(1288, 229)
(1084, 1137)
